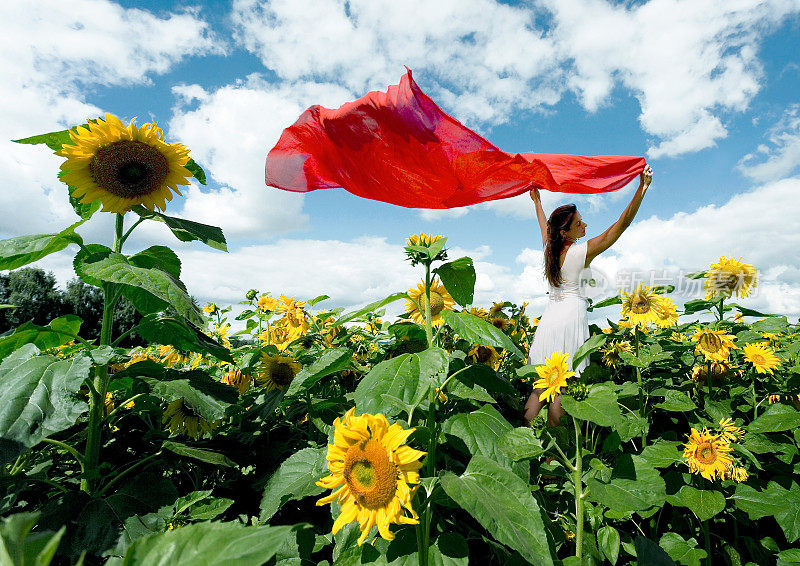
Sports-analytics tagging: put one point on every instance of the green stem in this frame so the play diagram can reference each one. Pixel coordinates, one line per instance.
(423, 541)
(428, 331)
(126, 471)
(707, 537)
(755, 399)
(577, 480)
(98, 397)
(128, 233)
(720, 308)
(642, 409)
(66, 447)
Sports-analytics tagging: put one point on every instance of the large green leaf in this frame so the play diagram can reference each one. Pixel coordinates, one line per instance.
(331, 361)
(501, 502)
(696, 305)
(608, 541)
(160, 257)
(478, 331)
(196, 170)
(182, 334)
(370, 307)
(201, 454)
(207, 544)
(649, 553)
(783, 504)
(634, 486)
(116, 268)
(676, 401)
(592, 344)
(521, 444)
(599, 407)
(53, 140)
(662, 453)
(482, 432)
(296, 478)
(38, 397)
(705, 503)
(458, 277)
(407, 377)
(20, 547)
(186, 230)
(776, 418)
(206, 396)
(22, 250)
(682, 551)
(774, 324)
(448, 549)
(482, 375)
(58, 332)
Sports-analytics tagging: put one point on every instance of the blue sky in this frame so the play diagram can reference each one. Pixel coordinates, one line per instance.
(707, 91)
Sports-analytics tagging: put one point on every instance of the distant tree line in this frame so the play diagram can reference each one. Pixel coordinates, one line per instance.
(36, 298)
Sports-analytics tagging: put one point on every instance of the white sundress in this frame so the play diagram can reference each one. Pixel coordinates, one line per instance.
(563, 326)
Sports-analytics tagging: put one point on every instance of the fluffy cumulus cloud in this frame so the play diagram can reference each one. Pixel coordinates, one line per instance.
(689, 63)
(779, 157)
(52, 54)
(230, 131)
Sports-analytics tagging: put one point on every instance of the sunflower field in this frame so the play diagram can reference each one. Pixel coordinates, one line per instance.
(292, 435)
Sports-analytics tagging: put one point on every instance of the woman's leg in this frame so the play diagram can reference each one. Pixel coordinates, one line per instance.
(532, 406)
(555, 411)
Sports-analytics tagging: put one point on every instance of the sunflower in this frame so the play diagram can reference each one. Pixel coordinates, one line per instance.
(718, 370)
(643, 306)
(210, 308)
(440, 300)
(370, 474)
(235, 378)
(729, 431)
(485, 355)
(170, 356)
(181, 419)
(267, 303)
(713, 344)
(668, 315)
(738, 474)
(611, 355)
(279, 335)
(479, 312)
(761, 356)
(497, 308)
(123, 165)
(277, 372)
(730, 276)
(708, 455)
(553, 376)
(502, 323)
(294, 316)
(422, 239)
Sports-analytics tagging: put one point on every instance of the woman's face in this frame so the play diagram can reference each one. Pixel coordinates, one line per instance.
(577, 229)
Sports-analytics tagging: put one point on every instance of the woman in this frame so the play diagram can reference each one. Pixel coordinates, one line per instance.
(563, 326)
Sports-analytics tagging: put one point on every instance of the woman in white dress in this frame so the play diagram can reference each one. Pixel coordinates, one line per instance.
(563, 326)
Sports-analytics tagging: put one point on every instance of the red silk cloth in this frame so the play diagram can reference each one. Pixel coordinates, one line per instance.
(400, 147)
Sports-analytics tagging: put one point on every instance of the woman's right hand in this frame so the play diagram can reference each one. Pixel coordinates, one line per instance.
(534, 194)
(646, 178)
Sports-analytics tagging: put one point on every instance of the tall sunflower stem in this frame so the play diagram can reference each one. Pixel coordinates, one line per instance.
(642, 408)
(423, 540)
(755, 398)
(428, 325)
(707, 538)
(98, 391)
(577, 480)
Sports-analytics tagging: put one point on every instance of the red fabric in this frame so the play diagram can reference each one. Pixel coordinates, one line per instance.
(400, 147)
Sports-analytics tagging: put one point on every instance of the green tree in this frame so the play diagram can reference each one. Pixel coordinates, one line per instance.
(86, 301)
(35, 296)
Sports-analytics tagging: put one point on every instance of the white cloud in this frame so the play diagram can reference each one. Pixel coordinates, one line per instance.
(52, 53)
(781, 157)
(689, 63)
(230, 130)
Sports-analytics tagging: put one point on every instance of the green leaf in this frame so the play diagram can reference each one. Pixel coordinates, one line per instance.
(605, 303)
(39, 397)
(592, 344)
(57, 333)
(160, 257)
(608, 540)
(691, 307)
(776, 418)
(53, 140)
(662, 453)
(759, 504)
(206, 396)
(187, 230)
(486, 377)
(407, 377)
(502, 503)
(749, 312)
(521, 444)
(208, 544)
(791, 555)
(458, 277)
(20, 547)
(201, 454)
(478, 331)
(705, 503)
(196, 170)
(481, 432)
(116, 268)
(634, 486)
(649, 553)
(370, 307)
(296, 478)
(696, 275)
(331, 361)
(182, 334)
(22, 250)
(773, 324)
(599, 407)
(676, 401)
(682, 551)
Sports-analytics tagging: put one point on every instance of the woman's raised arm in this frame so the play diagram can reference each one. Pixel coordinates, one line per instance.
(540, 214)
(601, 243)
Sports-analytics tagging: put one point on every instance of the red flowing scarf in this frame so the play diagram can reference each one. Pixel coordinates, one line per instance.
(399, 147)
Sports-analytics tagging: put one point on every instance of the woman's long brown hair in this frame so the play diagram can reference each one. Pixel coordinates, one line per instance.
(560, 219)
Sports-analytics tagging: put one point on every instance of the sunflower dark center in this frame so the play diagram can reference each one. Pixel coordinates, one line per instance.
(282, 375)
(484, 354)
(705, 453)
(710, 343)
(758, 359)
(640, 305)
(437, 303)
(370, 474)
(129, 169)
